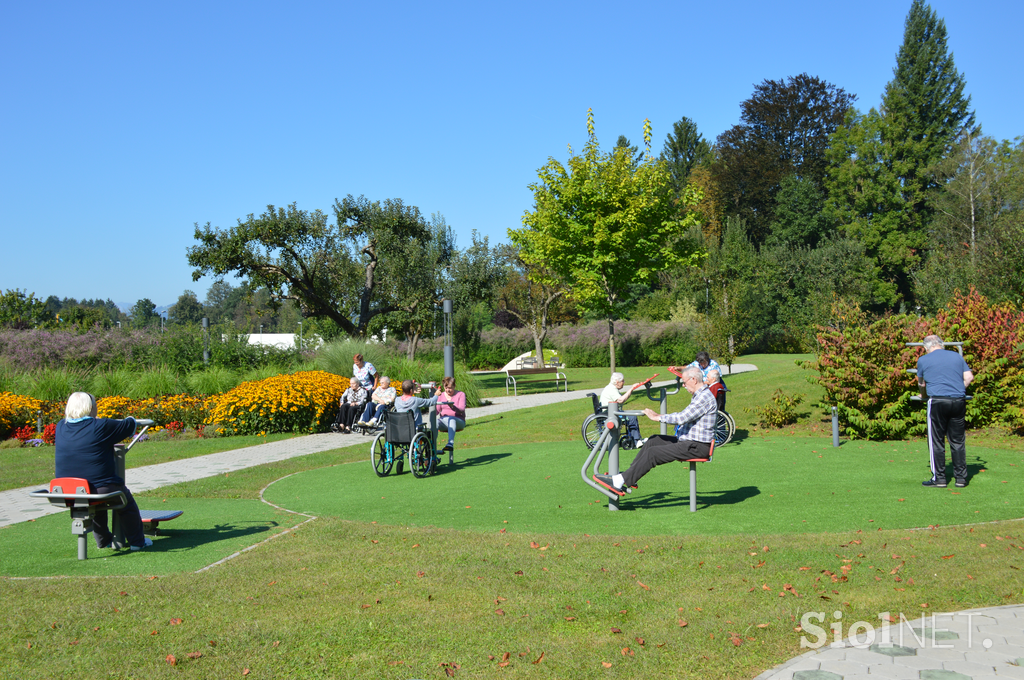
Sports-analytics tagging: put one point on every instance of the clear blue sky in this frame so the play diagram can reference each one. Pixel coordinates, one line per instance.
(126, 123)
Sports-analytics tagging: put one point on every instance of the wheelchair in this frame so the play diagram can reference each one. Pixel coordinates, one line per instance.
(593, 425)
(370, 429)
(401, 442)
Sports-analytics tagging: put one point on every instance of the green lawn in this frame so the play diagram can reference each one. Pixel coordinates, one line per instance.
(398, 578)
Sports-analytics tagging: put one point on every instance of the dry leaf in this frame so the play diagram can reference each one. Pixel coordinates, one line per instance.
(626, 651)
(643, 586)
(539, 658)
(683, 624)
(194, 655)
(639, 641)
(212, 643)
(175, 622)
(606, 664)
(616, 630)
(245, 671)
(171, 660)
(499, 612)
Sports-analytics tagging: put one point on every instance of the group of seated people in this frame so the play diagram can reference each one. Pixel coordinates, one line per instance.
(694, 432)
(372, 395)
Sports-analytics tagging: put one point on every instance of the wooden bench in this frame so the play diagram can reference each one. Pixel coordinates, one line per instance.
(514, 376)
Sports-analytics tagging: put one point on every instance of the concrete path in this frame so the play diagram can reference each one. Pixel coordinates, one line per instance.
(976, 644)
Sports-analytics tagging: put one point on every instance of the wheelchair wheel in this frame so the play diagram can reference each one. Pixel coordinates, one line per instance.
(381, 455)
(421, 455)
(725, 428)
(592, 428)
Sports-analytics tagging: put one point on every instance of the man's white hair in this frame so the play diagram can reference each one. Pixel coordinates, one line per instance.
(694, 373)
(80, 405)
(714, 376)
(932, 342)
(616, 377)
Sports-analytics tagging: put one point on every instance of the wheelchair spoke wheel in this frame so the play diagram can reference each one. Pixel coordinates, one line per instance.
(725, 428)
(421, 456)
(591, 430)
(382, 456)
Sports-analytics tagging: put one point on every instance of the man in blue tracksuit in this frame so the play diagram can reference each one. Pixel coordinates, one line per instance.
(944, 376)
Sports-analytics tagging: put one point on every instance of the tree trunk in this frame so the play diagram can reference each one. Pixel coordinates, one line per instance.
(411, 353)
(611, 342)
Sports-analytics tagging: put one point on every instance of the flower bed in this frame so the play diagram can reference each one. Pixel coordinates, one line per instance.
(301, 402)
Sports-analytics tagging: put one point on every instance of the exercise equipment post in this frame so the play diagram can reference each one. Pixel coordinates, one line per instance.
(663, 394)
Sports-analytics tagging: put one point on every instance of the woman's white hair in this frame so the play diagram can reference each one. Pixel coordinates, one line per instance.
(616, 377)
(80, 405)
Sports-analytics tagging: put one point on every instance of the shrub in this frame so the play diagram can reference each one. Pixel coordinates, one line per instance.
(15, 411)
(637, 343)
(23, 434)
(303, 402)
(781, 410)
(863, 365)
(50, 434)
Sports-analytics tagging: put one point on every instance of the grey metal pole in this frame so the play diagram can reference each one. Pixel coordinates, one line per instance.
(613, 450)
(664, 410)
(449, 350)
(206, 341)
(835, 427)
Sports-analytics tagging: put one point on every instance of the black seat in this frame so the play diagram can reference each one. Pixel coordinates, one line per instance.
(598, 409)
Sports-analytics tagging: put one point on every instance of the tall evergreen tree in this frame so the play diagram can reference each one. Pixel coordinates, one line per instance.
(881, 176)
(685, 148)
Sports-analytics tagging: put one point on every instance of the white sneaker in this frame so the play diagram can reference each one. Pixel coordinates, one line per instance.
(372, 422)
(361, 423)
(137, 548)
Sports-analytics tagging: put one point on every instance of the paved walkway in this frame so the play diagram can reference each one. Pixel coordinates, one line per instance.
(970, 645)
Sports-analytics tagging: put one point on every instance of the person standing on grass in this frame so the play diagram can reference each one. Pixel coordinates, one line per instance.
(612, 393)
(84, 448)
(365, 373)
(944, 377)
(451, 410)
(695, 431)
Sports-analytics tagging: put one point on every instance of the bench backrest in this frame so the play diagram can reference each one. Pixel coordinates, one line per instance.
(400, 428)
(531, 371)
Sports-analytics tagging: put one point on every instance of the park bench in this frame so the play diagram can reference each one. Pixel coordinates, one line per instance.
(514, 376)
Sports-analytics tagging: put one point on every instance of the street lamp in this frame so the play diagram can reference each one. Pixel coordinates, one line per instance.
(300, 336)
(261, 334)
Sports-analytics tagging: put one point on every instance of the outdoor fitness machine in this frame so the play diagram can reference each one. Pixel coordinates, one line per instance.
(608, 440)
(77, 495)
(913, 371)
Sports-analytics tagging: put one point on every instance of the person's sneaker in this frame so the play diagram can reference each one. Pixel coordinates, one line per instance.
(372, 422)
(137, 548)
(361, 423)
(606, 482)
(640, 443)
(961, 483)
(932, 483)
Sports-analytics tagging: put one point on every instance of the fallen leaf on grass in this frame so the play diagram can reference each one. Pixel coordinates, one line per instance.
(499, 612)
(171, 660)
(946, 557)
(735, 640)
(762, 625)
(643, 586)
(245, 671)
(570, 618)
(519, 573)
(175, 622)
(539, 658)
(639, 641)
(683, 624)
(606, 664)
(616, 630)
(212, 643)
(626, 651)
(194, 655)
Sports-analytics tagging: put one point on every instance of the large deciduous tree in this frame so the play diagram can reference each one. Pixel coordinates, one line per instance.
(603, 222)
(784, 131)
(332, 271)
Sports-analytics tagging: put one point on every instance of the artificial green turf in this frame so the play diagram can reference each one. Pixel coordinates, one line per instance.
(756, 485)
(210, 530)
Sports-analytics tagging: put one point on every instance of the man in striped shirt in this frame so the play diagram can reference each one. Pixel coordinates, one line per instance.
(695, 430)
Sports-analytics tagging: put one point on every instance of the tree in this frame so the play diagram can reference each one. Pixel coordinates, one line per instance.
(601, 223)
(331, 271)
(785, 131)
(799, 217)
(187, 310)
(143, 313)
(685, 149)
(20, 311)
(475, 277)
(529, 294)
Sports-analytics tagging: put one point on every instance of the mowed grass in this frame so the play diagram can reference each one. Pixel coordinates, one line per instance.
(600, 595)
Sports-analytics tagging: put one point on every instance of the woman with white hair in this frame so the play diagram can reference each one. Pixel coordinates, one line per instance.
(350, 406)
(85, 448)
(611, 393)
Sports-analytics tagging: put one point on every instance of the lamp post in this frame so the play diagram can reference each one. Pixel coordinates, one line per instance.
(300, 337)
(206, 341)
(449, 351)
(261, 334)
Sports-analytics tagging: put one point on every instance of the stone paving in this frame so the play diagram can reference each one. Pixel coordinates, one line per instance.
(976, 644)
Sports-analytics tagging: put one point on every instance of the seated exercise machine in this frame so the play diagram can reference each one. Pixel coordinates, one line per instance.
(78, 495)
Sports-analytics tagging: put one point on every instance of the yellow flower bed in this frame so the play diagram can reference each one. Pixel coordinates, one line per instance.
(301, 402)
(183, 408)
(16, 411)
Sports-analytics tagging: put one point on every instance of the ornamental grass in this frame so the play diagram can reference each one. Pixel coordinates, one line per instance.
(303, 402)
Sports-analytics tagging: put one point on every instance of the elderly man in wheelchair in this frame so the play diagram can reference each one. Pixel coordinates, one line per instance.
(404, 438)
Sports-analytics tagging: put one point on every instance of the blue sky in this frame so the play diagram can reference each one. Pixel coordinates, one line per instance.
(123, 124)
